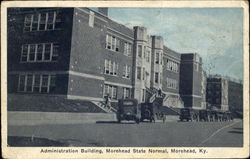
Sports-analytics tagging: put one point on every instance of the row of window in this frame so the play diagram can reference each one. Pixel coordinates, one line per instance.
(113, 43)
(111, 91)
(37, 83)
(126, 71)
(172, 66)
(143, 52)
(172, 83)
(39, 52)
(42, 22)
(110, 67)
(141, 74)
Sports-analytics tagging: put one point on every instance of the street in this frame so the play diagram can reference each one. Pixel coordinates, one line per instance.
(169, 134)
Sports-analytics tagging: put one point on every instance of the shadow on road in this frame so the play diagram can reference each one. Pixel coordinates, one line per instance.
(238, 129)
(236, 132)
(113, 122)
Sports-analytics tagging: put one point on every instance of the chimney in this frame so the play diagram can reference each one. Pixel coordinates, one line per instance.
(103, 11)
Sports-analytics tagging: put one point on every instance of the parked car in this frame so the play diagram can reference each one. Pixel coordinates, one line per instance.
(128, 109)
(203, 115)
(212, 115)
(147, 112)
(187, 114)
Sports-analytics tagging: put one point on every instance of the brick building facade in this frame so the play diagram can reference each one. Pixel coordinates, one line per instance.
(81, 54)
(191, 80)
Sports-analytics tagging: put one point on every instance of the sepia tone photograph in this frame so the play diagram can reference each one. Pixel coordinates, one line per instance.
(118, 77)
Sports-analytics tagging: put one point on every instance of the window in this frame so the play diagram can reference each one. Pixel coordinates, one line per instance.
(36, 87)
(21, 85)
(160, 79)
(110, 90)
(52, 83)
(144, 52)
(172, 83)
(108, 42)
(160, 58)
(139, 73)
(126, 92)
(117, 45)
(172, 66)
(139, 51)
(28, 22)
(114, 93)
(157, 57)
(42, 21)
(148, 56)
(44, 86)
(32, 53)
(143, 95)
(34, 26)
(127, 49)
(112, 43)
(42, 24)
(126, 71)
(110, 67)
(44, 52)
(29, 83)
(37, 83)
(143, 73)
(156, 77)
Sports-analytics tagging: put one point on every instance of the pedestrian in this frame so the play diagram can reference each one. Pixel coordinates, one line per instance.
(159, 92)
(164, 118)
(109, 103)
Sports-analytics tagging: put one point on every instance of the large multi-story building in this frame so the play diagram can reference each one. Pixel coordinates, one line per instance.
(191, 80)
(74, 53)
(78, 53)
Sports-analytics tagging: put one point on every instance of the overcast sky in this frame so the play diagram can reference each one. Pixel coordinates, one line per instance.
(214, 33)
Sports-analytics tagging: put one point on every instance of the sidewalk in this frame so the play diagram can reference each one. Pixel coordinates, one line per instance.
(40, 118)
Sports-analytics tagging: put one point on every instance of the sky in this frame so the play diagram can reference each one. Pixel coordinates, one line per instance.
(214, 33)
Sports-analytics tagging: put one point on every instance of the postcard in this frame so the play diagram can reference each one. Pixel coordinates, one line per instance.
(125, 79)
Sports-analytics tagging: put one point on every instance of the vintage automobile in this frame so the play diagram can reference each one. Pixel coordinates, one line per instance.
(188, 114)
(220, 115)
(203, 115)
(153, 112)
(212, 115)
(147, 112)
(128, 109)
(227, 116)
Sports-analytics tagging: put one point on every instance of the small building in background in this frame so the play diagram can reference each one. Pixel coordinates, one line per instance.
(235, 96)
(217, 92)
